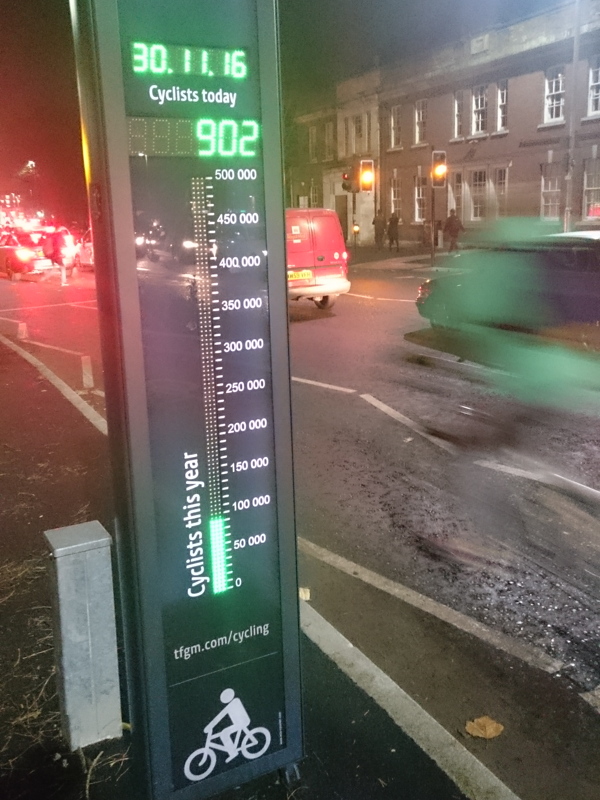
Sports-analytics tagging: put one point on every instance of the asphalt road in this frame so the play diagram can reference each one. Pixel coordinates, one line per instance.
(506, 560)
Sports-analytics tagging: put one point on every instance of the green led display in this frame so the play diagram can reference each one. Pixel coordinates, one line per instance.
(226, 137)
(164, 59)
(207, 137)
(218, 550)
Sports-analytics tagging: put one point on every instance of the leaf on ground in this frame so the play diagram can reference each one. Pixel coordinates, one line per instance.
(484, 728)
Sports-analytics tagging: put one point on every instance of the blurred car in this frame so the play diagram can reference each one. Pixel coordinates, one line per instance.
(317, 260)
(19, 255)
(84, 252)
(530, 286)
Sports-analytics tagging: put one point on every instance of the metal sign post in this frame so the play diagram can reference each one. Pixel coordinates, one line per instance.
(181, 135)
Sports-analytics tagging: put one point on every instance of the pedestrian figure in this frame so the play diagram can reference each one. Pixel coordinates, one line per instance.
(453, 226)
(392, 231)
(54, 250)
(379, 224)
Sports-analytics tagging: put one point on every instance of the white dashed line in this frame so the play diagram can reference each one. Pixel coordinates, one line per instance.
(394, 300)
(325, 385)
(388, 299)
(414, 426)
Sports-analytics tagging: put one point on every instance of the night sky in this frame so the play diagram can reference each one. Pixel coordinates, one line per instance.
(321, 41)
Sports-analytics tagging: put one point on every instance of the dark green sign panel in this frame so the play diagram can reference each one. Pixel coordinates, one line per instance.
(192, 157)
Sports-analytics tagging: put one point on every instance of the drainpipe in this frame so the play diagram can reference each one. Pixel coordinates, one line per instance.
(568, 216)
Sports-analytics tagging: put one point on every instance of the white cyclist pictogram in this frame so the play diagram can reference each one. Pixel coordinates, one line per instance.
(234, 739)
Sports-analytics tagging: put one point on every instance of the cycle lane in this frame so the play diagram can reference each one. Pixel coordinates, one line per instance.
(354, 749)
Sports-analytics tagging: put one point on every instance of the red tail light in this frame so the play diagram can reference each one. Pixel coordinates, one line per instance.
(424, 290)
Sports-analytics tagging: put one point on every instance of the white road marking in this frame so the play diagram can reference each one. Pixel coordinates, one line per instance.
(88, 412)
(472, 777)
(414, 426)
(87, 372)
(531, 655)
(79, 303)
(593, 698)
(394, 300)
(55, 347)
(325, 385)
(372, 297)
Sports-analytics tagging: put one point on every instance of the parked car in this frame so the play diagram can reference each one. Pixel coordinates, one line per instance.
(527, 285)
(19, 255)
(317, 259)
(84, 252)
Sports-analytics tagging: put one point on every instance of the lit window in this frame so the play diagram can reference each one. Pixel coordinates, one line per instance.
(420, 121)
(314, 197)
(479, 122)
(457, 189)
(591, 188)
(554, 109)
(458, 114)
(312, 143)
(329, 141)
(358, 133)
(395, 194)
(395, 126)
(594, 92)
(500, 185)
(478, 193)
(550, 205)
(502, 119)
(420, 187)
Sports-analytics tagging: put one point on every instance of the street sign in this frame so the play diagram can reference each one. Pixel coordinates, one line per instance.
(183, 156)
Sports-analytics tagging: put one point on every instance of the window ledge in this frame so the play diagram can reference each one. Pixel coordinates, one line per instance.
(419, 145)
(474, 136)
(456, 139)
(591, 118)
(503, 132)
(417, 222)
(559, 123)
(396, 148)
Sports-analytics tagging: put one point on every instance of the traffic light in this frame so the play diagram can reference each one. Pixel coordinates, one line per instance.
(366, 175)
(439, 169)
(347, 182)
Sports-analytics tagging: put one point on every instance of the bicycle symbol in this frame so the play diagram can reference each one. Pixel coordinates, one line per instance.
(236, 738)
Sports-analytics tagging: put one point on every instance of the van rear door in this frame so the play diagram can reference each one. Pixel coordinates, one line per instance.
(299, 249)
(329, 244)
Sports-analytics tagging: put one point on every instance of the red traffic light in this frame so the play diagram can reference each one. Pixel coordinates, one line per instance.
(347, 182)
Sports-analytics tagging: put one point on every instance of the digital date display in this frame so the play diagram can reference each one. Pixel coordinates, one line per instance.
(163, 59)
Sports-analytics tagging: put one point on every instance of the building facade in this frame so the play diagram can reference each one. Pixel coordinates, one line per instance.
(517, 111)
(331, 144)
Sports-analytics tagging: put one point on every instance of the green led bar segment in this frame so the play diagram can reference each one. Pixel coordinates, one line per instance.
(218, 553)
